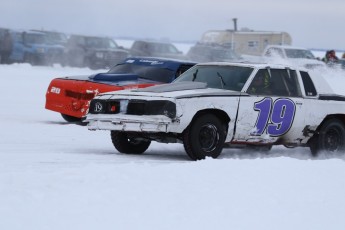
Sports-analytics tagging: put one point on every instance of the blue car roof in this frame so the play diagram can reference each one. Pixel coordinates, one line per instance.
(172, 64)
(163, 70)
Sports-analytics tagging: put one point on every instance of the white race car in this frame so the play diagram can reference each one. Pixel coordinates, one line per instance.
(217, 105)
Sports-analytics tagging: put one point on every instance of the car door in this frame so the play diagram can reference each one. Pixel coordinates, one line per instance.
(273, 111)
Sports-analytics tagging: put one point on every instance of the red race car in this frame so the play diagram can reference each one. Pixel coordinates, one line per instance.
(71, 96)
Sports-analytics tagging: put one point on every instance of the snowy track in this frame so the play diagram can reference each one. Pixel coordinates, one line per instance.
(55, 175)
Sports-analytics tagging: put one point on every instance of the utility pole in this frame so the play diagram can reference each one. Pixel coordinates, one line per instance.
(235, 24)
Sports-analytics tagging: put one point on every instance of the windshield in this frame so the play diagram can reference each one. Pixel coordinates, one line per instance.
(58, 38)
(34, 38)
(147, 72)
(100, 43)
(164, 48)
(220, 77)
(299, 53)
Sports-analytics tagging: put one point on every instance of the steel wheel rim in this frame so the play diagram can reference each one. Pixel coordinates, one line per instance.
(208, 137)
(334, 140)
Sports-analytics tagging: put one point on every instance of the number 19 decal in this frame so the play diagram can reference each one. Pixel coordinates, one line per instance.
(274, 117)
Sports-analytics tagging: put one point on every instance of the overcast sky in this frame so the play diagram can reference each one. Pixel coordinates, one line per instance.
(311, 23)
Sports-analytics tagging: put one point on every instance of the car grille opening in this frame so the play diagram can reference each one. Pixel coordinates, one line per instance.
(134, 107)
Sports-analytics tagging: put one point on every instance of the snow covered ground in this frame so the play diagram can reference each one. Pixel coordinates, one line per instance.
(55, 175)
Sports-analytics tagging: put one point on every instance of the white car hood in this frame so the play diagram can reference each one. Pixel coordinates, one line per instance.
(175, 90)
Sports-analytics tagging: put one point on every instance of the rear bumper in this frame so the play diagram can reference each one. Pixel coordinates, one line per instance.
(75, 109)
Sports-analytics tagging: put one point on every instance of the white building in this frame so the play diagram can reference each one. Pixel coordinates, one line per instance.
(246, 41)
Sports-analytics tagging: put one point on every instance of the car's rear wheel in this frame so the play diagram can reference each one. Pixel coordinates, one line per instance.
(125, 143)
(330, 139)
(69, 118)
(204, 137)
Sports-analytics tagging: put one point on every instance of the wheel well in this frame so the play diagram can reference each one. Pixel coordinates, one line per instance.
(340, 117)
(220, 114)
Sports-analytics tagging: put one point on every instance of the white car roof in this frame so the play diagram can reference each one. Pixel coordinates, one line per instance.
(254, 65)
(321, 84)
(287, 47)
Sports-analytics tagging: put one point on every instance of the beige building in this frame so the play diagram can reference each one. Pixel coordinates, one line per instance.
(246, 41)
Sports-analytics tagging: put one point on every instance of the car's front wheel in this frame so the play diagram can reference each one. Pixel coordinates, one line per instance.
(331, 138)
(125, 143)
(204, 137)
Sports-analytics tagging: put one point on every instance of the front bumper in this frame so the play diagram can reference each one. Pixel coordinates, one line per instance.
(122, 122)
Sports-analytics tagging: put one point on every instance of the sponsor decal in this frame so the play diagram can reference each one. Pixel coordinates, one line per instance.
(152, 62)
(55, 90)
(98, 107)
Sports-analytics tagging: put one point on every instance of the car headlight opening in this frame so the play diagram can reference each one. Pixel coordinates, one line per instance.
(133, 107)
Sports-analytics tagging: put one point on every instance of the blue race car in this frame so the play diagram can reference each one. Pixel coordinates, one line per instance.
(71, 96)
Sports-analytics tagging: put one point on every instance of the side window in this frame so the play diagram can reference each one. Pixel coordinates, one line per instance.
(136, 45)
(308, 84)
(284, 82)
(278, 82)
(182, 69)
(261, 84)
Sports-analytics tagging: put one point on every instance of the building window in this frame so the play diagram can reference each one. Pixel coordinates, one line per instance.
(229, 45)
(253, 44)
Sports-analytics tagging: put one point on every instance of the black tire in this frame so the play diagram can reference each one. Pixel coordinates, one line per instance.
(124, 143)
(204, 137)
(69, 118)
(330, 139)
(313, 146)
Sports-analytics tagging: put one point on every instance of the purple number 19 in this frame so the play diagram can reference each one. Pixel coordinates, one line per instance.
(275, 117)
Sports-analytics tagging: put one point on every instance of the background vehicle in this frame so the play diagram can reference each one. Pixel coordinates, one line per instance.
(34, 48)
(206, 52)
(217, 105)
(155, 49)
(93, 52)
(71, 96)
(5, 46)
(293, 55)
